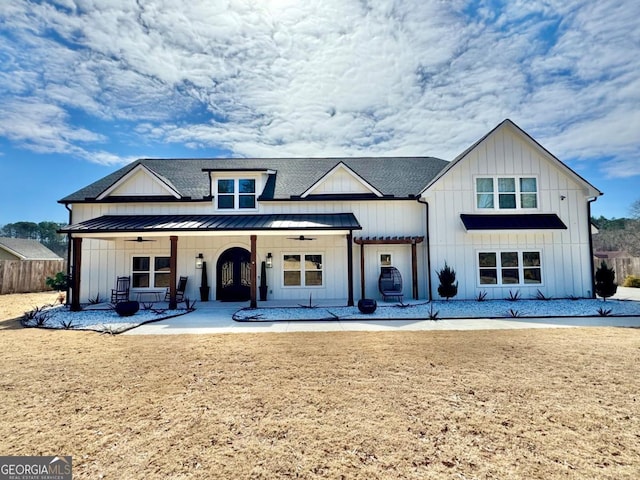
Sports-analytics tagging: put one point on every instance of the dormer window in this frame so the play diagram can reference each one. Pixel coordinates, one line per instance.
(506, 193)
(236, 193)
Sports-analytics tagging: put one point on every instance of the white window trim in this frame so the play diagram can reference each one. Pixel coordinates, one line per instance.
(380, 254)
(151, 270)
(498, 267)
(495, 193)
(236, 192)
(302, 270)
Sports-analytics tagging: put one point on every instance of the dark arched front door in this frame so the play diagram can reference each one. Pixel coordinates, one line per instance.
(234, 275)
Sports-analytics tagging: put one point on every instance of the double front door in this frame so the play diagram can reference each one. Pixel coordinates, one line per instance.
(234, 275)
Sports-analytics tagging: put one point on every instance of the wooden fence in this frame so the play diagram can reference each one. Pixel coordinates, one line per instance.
(23, 276)
(623, 266)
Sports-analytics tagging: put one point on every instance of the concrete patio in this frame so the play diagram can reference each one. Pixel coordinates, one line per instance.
(216, 317)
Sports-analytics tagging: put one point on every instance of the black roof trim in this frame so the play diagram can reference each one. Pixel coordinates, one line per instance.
(519, 221)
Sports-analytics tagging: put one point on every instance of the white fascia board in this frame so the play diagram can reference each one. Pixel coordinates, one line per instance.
(153, 175)
(342, 165)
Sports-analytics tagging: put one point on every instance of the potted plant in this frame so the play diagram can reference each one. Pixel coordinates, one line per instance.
(263, 282)
(204, 284)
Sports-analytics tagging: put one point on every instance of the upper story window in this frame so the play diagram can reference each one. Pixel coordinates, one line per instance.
(506, 193)
(236, 193)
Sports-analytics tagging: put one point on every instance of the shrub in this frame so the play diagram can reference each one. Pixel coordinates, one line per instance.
(481, 297)
(513, 296)
(35, 318)
(59, 282)
(448, 286)
(542, 296)
(632, 281)
(95, 300)
(606, 285)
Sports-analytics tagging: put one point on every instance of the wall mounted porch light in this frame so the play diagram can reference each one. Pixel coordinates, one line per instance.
(199, 260)
(269, 261)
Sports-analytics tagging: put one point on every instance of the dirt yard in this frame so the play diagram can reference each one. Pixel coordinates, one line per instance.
(460, 405)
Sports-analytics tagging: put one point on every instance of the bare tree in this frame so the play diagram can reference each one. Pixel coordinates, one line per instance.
(635, 209)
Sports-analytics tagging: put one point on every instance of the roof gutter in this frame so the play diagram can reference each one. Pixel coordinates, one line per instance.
(428, 245)
(591, 266)
(68, 292)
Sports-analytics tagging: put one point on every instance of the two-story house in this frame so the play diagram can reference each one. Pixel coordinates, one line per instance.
(506, 215)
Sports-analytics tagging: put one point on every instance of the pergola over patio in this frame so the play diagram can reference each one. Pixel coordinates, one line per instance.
(407, 240)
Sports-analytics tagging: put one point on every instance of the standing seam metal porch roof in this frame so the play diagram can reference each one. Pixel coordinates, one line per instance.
(170, 223)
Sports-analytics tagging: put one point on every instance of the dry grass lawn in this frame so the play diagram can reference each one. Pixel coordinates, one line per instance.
(460, 405)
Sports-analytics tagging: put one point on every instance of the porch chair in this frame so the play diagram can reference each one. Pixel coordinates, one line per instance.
(121, 292)
(390, 283)
(180, 288)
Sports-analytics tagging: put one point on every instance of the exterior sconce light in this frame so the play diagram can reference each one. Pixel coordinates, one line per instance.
(199, 260)
(269, 261)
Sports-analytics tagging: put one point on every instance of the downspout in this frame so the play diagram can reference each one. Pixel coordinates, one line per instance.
(591, 267)
(68, 292)
(428, 245)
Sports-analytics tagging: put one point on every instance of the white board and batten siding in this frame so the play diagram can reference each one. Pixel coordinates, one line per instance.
(105, 259)
(565, 254)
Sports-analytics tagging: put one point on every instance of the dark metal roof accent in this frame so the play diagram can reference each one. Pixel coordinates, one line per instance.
(167, 223)
(518, 221)
(387, 240)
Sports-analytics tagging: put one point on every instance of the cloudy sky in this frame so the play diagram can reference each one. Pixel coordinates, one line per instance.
(89, 85)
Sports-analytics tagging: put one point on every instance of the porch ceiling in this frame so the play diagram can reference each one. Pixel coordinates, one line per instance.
(145, 224)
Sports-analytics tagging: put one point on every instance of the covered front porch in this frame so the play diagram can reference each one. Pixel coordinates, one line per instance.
(310, 256)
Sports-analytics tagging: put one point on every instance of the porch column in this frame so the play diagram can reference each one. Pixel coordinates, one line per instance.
(75, 274)
(414, 270)
(254, 273)
(350, 268)
(173, 267)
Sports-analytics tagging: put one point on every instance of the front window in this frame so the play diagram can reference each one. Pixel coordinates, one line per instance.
(509, 268)
(150, 272)
(302, 270)
(506, 193)
(236, 193)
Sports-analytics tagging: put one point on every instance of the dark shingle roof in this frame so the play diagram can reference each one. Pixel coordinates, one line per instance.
(393, 176)
(27, 249)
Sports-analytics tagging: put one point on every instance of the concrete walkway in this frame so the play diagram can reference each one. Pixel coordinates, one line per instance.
(215, 317)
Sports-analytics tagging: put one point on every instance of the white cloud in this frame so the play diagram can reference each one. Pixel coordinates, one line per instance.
(326, 77)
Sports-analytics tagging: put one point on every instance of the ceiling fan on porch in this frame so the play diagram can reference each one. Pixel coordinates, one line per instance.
(301, 238)
(140, 240)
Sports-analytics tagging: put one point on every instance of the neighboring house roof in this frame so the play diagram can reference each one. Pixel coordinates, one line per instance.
(27, 249)
(289, 178)
(611, 254)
